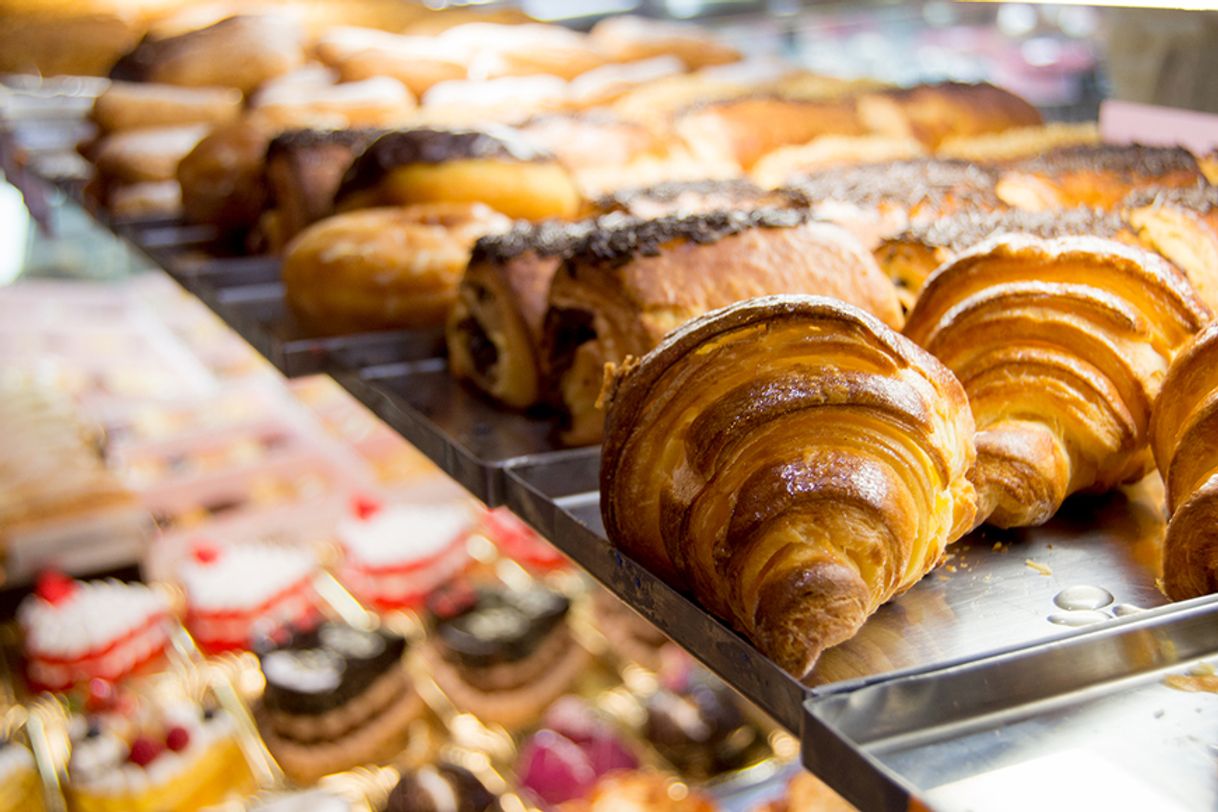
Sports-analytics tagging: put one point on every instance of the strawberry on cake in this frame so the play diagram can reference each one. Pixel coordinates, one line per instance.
(242, 591)
(394, 556)
(75, 631)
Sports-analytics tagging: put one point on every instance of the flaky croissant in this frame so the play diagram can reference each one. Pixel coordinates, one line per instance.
(629, 286)
(792, 462)
(1184, 434)
(1182, 225)
(1062, 346)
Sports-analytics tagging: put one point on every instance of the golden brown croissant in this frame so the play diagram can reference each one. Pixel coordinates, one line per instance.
(1062, 346)
(1184, 435)
(494, 330)
(793, 463)
(932, 113)
(1182, 225)
(1099, 176)
(627, 287)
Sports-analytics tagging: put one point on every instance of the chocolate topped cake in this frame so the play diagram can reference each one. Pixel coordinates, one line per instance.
(440, 788)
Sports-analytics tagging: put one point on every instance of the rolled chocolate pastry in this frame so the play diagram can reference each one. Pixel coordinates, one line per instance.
(877, 201)
(935, 112)
(1184, 435)
(584, 141)
(1062, 346)
(377, 269)
(828, 151)
(494, 329)
(628, 38)
(909, 258)
(1018, 143)
(503, 655)
(459, 166)
(377, 102)
(440, 788)
(743, 129)
(692, 197)
(131, 106)
(628, 286)
(240, 52)
(222, 177)
(1182, 225)
(1097, 176)
(303, 170)
(792, 462)
(335, 697)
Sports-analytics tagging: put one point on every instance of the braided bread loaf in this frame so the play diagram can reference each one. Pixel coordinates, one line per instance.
(1184, 435)
(793, 462)
(1061, 345)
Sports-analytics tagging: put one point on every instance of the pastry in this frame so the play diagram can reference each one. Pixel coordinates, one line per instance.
(222, 177)
(75, 631)
(173, 755)
(151, 154)
(494, 328)
(1182, 225)
(336, 697)
(641, 791)
(416, 62)
(379, 101)
(775, 168)
(876, 201)
(20, 785)
(762, 453)
(441, 787)
(376, 269)
(807, 793)
(628, 286)
(910, 257)
(1097, 176)
(932, 113)
(459, 166)
(691, 197)
(523, 50)
(503, 655)
(303, 170)
(240, 592)
(575, 746)
(1061, 345)
(602, 86)
(745, 128)
(137, 106)
(627, 38)
(696, 723)
(239, 52)
(478, 103)
(149, 199)
(631, 638)
(591, 140)
(1184, 436)
(1018, 143)
(394, 556)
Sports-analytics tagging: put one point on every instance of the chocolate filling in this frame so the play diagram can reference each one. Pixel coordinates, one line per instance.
(567, 330)
(482, 351)
(429, 146)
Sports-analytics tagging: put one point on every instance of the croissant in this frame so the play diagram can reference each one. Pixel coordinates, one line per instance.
(494, 329)
(1182, 225)
(792, 462)
(1184, 435)
(1100, 176)
(627, 287)
(933, 113)
(1062, 346)
(910, 257)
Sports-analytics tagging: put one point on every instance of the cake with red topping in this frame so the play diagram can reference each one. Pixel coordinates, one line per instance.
(77, 630)
(521, 543)
(394, 556)
(243, 591)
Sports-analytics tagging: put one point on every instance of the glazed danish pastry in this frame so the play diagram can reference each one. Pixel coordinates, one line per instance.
(494, 330)
(375, 269)
(628, 286)
(1062, 346)
(792, 462)
(932, 113)
(1184, 433)
(459, 166)
(1182, 225)
(1097, 176)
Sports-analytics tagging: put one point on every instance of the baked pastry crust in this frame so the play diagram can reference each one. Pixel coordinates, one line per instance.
(628, 38)
(1062, 346)
(792, 462)
(383, 268)
(629, 286)
(1018, 143)
(133, 106)
(828, 151)
(1182, 225)
(934, 112)
(222, 177)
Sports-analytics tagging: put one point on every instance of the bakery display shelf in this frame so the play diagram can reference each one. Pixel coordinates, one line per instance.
(1119, 718)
